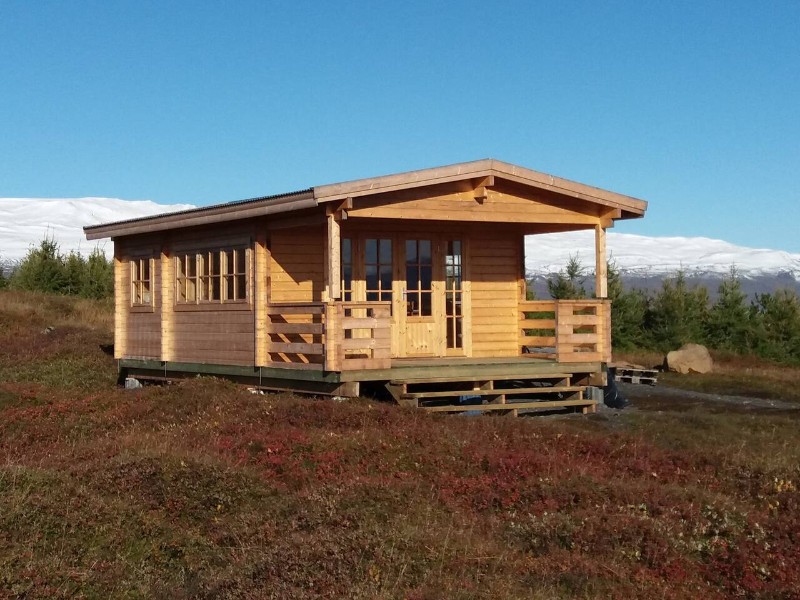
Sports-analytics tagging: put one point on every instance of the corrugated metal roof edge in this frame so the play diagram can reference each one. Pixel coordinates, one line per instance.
(199, 209)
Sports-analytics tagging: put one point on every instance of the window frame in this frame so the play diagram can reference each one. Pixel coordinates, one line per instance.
(215, 287)
(135, 264)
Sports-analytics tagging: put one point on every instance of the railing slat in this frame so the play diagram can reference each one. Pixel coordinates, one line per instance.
(300, 328)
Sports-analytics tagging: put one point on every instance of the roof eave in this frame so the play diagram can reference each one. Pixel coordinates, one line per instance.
(477, 169)
(203, 216)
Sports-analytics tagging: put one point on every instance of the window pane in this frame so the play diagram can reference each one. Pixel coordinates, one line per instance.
(412, 278)
(425, 278)
(135, 270)
(347, 276)
(180, 266)
(145, 268)
(229, 258)
(372, 296)
(145, 292)
(386, 296)
(411, 251)
(372, 277)
(203, 260)
(372, 251)
(386, 251)
(241, 287)
(241, 261)
(425, 309)
(425, 252)
(191, 266)
(215, 291)
(347, 251)
(386, 277)
(190, 290)
(215, 263)
(230, 294)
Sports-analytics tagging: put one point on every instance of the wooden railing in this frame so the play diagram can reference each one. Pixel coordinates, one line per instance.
(358, 336)
(566, 330)
(335, 336)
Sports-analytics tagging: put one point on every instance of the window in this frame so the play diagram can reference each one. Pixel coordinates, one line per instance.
(214, 276)
(453, 293)
(235, 278)
(141, 282)
(186, 269)
(378, 266)
(419, 277)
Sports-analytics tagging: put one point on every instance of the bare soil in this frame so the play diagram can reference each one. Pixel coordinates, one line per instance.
(665, 398)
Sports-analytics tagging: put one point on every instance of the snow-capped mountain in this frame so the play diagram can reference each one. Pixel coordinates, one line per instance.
(641, 256)
(24, 222)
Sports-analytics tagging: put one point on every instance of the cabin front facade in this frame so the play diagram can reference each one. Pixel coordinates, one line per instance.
(415, 281)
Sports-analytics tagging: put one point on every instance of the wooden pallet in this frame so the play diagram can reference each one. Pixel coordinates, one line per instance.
(635, 375)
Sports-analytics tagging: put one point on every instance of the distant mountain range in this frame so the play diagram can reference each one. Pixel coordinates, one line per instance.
(643, 261)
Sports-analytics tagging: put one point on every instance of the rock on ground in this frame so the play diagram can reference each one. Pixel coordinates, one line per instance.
(690, 358)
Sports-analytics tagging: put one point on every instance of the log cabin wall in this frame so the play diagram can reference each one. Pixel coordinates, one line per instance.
(296, 267)
(495, 266)
(297, 264)
(221, 332)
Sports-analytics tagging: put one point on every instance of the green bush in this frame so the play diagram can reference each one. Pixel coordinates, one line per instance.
(678, 313)
(46, 269)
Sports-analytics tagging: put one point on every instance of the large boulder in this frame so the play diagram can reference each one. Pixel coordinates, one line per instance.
(690, 358)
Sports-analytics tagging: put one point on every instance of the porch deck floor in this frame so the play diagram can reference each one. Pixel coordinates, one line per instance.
(464, 360)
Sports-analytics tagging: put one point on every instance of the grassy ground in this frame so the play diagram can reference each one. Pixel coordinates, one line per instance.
(202, 490)
(732, 375)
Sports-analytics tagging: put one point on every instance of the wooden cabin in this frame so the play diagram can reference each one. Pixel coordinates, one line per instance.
(414, 282)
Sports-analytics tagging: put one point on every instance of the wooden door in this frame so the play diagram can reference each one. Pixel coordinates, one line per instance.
(421, 298)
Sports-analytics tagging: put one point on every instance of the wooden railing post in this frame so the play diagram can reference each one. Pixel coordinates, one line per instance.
(334, 311)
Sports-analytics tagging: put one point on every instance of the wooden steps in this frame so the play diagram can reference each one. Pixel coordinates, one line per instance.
(587, 406)
(509, 393)
(497, 392)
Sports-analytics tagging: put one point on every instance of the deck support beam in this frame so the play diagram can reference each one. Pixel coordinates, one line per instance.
(601, 264)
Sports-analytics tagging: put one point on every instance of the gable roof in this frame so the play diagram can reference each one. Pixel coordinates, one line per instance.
(312, 197)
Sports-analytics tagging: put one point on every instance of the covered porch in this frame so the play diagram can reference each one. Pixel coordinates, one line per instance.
(341, 336)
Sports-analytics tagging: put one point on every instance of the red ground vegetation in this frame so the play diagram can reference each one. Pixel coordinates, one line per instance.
(203, 490)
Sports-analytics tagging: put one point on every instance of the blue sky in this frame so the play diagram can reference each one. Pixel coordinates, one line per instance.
(693, 106)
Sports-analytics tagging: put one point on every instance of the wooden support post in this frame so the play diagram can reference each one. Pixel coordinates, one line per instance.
(334, 313)
(122, 290)
(601, 264)
(260, 297)
(334, 256)
(167, 305)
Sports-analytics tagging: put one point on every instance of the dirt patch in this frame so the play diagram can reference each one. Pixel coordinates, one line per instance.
(664, 398)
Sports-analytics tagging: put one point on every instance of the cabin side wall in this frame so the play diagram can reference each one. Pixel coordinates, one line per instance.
(137, 327)
(172, 329)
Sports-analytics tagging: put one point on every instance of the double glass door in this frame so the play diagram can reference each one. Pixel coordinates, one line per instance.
(422, 277)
